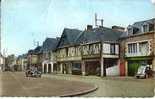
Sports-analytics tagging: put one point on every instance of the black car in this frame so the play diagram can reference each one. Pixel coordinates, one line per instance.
(33, 73)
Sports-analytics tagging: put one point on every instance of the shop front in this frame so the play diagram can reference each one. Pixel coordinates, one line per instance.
(135, 62)
(92, 66)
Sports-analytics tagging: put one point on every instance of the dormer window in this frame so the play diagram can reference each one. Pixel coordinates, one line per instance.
(151, 27)
(130, 30)
(145, 27)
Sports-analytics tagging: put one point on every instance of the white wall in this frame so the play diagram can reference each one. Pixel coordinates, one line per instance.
(113, 71)
(106, 48)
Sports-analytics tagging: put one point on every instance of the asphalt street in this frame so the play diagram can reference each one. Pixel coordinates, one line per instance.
(114, 86)
(16, 84)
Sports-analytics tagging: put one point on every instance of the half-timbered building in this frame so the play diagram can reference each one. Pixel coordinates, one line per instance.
(94, 51)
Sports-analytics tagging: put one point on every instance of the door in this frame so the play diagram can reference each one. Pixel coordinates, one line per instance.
(49, 68)
(133, 67)
(45, 68)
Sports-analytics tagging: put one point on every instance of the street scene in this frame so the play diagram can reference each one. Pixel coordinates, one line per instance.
(103, 49)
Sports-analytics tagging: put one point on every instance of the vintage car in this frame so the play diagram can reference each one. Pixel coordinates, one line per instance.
(144, 71)
(32, 73)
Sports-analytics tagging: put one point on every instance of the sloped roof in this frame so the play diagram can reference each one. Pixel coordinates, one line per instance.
(99, 34)
(138, 25)
(50, 44)
(37, 50)
(31, 51)
(68, 37)
(125, 34)
(22, 56)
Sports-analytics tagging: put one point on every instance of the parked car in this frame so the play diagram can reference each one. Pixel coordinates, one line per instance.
(76, 71)
(144, 71)
(33, 73)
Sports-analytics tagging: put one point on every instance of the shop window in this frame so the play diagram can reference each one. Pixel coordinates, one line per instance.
(76, 66)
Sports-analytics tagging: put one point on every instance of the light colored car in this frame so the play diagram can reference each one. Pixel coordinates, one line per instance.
(144, 71)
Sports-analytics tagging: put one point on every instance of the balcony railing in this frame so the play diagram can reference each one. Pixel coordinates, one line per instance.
(137, 54)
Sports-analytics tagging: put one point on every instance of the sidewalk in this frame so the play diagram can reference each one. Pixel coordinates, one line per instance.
(77, 77)
(112, 86)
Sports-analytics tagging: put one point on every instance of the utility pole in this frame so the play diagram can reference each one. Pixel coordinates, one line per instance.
(36, 43)
(0, 27)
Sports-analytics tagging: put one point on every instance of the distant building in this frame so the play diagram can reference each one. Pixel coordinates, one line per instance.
(22, 62)
(34, 58)
(2, 62)
(11, 64)
(49, 57)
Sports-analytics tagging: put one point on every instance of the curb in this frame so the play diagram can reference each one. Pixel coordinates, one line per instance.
(80, 93)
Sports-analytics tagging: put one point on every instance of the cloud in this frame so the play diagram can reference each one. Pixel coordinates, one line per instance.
(153, 1)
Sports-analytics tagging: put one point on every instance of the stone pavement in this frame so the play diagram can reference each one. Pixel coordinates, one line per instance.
(113, 86)
(16, 84)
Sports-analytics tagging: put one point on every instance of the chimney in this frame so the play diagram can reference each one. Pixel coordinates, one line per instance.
(89, 27)
(118, 28)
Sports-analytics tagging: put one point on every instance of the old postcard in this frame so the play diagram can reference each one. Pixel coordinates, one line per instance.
(77, 48)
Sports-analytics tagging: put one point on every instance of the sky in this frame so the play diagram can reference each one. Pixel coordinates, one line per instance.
(26, 21)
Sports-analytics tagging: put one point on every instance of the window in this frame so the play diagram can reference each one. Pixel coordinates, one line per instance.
(151, 27)
(130, 31)
(132, 48)
(144, 47)
(145, 28)
(106, 48)
(112, 49)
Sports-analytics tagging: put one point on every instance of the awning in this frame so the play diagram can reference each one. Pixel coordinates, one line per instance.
(139, 58)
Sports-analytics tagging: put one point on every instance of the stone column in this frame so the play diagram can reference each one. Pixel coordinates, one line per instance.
(52, 67)
(102, 67)
(70, 68)
(64, 68)
(126, 67)
(83, 68)
(118, 64)
(42, 67)
(47, 68)
(153, 64)
(101, 60)
(61, 68)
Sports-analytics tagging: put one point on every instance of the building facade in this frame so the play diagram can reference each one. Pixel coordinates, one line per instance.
(98, 51)
(22, 62)
(48, 57)
(94, 51)
(34, 58)
(138, 46)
